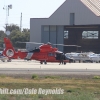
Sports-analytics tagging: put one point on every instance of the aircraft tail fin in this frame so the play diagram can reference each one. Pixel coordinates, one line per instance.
(8, 43)
(9, 50)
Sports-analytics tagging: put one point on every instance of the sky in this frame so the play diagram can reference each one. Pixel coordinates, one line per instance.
(28, 8)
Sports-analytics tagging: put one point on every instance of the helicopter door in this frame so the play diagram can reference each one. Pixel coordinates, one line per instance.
(29, 55)
(58, 56)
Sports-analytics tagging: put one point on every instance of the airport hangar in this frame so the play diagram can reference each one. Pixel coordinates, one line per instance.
(75, 22)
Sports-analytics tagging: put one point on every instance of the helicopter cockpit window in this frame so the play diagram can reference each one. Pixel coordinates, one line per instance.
(50, 54)
(35, 50)
(90, 34)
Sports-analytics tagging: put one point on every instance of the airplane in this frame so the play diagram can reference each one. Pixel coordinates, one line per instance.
(95, 57)
(45, 53)
(81, 57)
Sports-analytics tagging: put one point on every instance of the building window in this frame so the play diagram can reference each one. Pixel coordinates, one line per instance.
(52, 28)
(72, 18)
(46, 28)
(90, 34)
(66, 34)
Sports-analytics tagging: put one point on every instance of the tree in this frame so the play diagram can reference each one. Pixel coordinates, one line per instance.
(2, 35)
(12, 27)
(26, 30)
(16, 36)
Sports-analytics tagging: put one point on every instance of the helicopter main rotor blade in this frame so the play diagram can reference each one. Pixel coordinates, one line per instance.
(30, 42)
(67, 45)
(49, 44)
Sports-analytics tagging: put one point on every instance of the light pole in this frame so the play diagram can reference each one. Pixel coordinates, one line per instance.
(7, 8)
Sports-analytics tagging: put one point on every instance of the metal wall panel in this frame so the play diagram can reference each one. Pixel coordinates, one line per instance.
(44, 35)
(60, 36)
(53, 37)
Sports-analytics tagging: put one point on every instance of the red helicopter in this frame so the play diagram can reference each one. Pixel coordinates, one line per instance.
(45, 53)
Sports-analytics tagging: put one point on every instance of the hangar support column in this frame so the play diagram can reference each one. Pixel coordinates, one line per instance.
(99, 33)
(60, 37)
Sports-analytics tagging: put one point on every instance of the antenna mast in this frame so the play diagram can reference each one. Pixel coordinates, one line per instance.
(21, 23)
(7, 8)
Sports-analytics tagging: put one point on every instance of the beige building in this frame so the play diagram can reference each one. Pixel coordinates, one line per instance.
(75, 22)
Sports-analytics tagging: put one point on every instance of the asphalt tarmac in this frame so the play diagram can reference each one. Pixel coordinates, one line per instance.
(34, 67)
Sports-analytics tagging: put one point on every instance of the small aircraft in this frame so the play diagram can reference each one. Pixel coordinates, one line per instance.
(45, 53)
(80, 57)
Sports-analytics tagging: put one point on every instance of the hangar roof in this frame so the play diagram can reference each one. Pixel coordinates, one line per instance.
(86, 12)
(93, 5)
